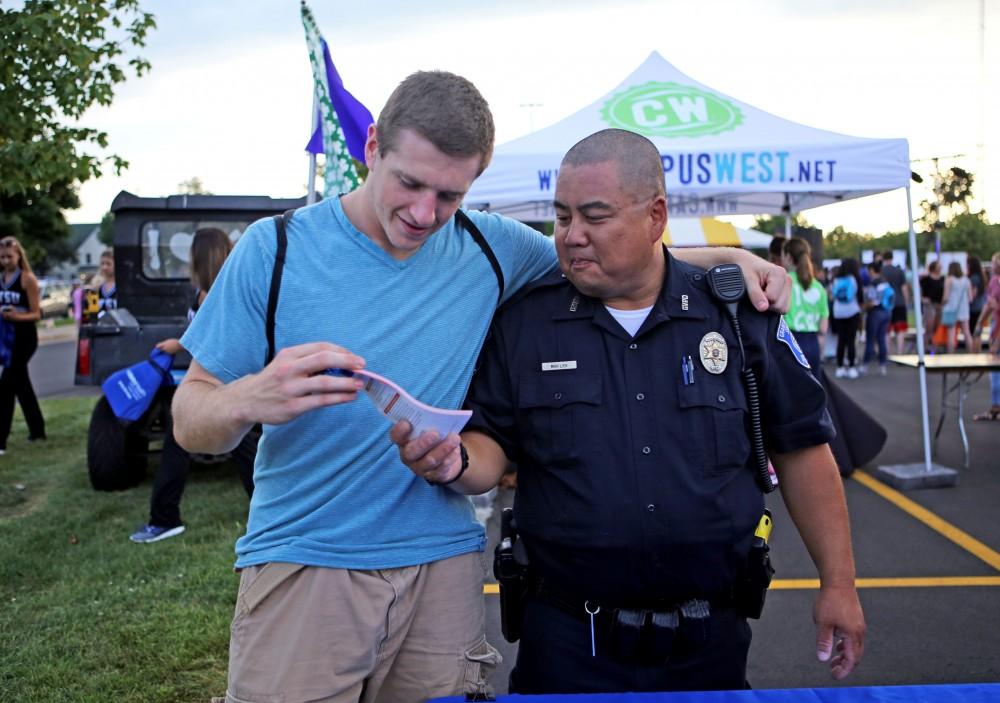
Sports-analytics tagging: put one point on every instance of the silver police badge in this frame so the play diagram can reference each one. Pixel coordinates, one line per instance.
(714, 352)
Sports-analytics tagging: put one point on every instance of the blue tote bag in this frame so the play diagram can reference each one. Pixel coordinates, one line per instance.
(130, 391)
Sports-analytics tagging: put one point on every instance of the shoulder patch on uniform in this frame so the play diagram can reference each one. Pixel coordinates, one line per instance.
(785, 335)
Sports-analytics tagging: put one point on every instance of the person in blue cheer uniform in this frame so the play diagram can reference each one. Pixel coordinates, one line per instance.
(107, 290)
(20, 305)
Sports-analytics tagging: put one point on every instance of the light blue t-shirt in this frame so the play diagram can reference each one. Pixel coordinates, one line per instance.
(329, 487)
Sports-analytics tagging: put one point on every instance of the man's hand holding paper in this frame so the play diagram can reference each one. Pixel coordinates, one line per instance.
(428, 455)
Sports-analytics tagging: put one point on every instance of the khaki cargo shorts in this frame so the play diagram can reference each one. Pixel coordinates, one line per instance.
(336, 635)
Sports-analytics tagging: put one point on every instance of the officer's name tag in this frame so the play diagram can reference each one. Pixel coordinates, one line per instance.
(558, 365)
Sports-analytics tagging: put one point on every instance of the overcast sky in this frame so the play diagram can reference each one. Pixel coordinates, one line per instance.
(228, 99)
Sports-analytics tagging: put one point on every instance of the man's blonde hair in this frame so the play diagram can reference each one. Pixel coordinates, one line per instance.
(447, 110)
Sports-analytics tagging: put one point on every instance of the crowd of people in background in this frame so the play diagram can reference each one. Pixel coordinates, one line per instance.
(871, 305)
(990, 311)
(952, 304)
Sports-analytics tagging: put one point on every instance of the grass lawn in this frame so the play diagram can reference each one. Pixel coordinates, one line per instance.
(85, 614)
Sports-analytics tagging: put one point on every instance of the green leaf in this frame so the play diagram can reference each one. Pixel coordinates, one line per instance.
(58, 59)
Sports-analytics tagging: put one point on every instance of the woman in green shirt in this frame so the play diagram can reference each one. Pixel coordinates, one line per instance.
(809, 311)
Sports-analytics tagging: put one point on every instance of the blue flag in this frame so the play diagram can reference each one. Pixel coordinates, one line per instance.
(342, 120)
(354, 117)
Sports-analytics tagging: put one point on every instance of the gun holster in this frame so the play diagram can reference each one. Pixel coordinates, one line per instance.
(510, 567)
(751, 592)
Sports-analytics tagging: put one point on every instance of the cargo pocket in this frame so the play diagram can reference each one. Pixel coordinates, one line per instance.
(263, 583)
(481, 659)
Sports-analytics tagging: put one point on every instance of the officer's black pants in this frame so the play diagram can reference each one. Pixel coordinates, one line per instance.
(554, 656)
(171, 477)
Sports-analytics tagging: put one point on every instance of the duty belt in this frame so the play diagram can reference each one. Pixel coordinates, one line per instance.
(578, 606)
(644, 635)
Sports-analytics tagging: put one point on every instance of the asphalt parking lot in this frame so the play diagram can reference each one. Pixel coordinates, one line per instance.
(928, 560)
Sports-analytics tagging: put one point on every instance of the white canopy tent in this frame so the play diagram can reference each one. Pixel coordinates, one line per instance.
(720, 156)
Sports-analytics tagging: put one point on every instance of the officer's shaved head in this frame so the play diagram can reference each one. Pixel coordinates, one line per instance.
(640, 169)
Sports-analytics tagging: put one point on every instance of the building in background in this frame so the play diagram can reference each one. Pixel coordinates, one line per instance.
(87, 247)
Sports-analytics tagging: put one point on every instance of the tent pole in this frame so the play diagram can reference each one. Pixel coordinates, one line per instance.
(918, 313)
(788, 217)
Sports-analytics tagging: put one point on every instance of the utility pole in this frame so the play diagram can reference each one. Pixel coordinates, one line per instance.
(531, 114)
(981, 142)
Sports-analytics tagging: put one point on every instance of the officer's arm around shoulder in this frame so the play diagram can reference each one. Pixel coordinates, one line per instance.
(206, 413)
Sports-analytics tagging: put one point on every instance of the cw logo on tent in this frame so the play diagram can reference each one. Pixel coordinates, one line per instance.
(671, 110)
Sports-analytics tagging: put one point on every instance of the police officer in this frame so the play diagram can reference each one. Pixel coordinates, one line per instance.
(616, 388)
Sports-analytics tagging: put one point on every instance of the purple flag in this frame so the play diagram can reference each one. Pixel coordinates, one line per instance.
(354, 117)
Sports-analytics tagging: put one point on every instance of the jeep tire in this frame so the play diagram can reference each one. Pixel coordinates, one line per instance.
(116, 455)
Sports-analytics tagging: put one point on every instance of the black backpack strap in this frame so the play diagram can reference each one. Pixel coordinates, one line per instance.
(280, 226)
(464, 220)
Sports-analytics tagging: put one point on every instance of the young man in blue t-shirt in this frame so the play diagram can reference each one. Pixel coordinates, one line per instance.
(360, 581)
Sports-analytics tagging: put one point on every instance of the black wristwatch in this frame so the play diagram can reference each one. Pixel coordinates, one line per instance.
(465, 466)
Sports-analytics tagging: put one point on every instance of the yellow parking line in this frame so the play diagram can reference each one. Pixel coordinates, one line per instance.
(492, 589)
(946, 529)
(904, 582)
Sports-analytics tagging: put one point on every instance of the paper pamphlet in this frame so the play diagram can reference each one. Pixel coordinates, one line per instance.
(396, 404)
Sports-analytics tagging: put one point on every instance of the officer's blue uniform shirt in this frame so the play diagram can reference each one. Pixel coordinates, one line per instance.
(634, 486)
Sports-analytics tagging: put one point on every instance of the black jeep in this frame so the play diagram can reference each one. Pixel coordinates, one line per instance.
(152, 244)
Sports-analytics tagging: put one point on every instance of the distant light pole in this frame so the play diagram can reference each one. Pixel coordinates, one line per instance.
(531, 114)
(981, 146)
